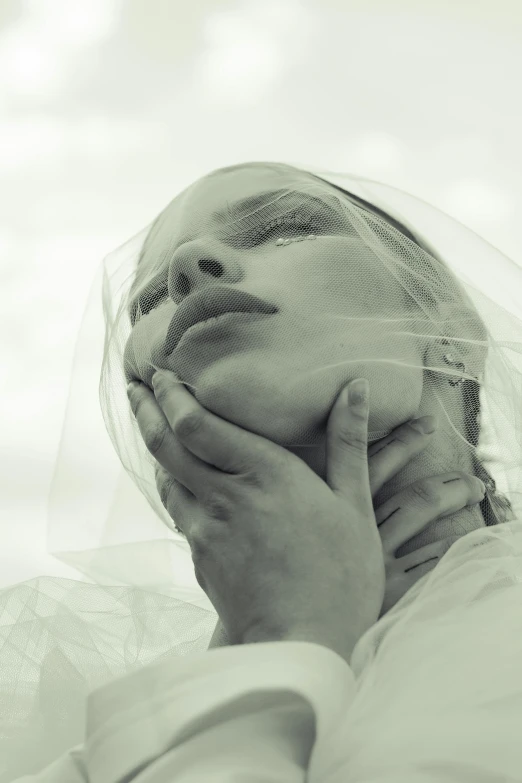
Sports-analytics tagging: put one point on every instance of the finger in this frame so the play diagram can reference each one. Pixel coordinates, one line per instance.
(388, 456)
(402, 573)
(191, 472)
(415, 565)
(215, 441)
(408, 512)
(162, 483)
(347, 443)
(176, 500)
(169, 489)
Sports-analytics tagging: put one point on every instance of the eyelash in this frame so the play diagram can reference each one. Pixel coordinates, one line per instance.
(295, 219)
(254, 235)
(148, 301)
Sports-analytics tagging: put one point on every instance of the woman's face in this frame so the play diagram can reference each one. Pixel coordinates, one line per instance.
(279, 376)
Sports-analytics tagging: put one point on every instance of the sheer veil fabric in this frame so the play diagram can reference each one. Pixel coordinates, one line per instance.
(136, 600)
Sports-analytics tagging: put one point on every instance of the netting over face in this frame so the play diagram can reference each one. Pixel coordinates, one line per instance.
(347, 291)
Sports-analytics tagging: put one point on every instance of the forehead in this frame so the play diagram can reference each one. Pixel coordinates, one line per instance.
(237, 182)
(202, 205)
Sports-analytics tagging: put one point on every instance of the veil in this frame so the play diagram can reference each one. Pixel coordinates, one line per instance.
(136, 600)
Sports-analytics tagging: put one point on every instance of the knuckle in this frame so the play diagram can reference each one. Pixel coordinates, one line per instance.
(154, 437)
(165, 486)
(204, 539)
(254, 479)
(199, 546)
(161, 486)
(189, 423)
(406, 435)
(161, 392)
(266, 472)
(468, 483)
(427, 491)
(159, 473)
(136, 402)
(355, 440)
(218, 506)
(174, 509)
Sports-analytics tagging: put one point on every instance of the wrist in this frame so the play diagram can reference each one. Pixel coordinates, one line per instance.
(343, 647)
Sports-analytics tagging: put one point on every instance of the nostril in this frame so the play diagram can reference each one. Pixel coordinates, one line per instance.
(182, 285)
(212, 267)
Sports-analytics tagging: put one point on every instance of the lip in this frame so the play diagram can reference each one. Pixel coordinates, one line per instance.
(218, 325)
(212, 303)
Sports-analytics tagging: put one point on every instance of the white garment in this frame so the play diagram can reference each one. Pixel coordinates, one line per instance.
(433, 694)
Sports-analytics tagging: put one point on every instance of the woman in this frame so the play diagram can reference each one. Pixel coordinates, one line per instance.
(361, 299)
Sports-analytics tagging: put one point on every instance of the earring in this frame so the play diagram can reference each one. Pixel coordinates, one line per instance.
(450, 359)
(499, 507)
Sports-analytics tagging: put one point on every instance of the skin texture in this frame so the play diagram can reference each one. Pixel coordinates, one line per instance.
(280, 377)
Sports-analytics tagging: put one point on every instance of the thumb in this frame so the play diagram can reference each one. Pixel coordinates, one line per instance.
(347, 443)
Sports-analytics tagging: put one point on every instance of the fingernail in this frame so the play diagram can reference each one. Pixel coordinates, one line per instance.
(159, 375)
(358, 391)
(425, 424)
(163, 375)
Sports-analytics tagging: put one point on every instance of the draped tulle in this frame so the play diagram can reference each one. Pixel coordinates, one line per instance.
(61, 639)
(439, 680)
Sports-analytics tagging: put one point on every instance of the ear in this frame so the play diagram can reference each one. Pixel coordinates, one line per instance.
(463, 329)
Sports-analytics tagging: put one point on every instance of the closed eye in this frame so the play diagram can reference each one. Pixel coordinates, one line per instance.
(148, 301)
(286, 224)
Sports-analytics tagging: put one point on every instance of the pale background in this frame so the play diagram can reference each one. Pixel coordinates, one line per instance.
(109, 108)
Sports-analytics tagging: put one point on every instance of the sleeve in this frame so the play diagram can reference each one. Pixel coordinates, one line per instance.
(68, 768)
(246, 713)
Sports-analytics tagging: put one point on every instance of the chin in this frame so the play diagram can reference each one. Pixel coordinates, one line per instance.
(283, 417)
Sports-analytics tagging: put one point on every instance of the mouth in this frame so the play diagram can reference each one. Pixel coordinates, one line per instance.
(219, 325)
(210, 308)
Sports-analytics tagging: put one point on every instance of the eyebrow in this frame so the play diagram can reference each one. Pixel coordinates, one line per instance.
(242, 207)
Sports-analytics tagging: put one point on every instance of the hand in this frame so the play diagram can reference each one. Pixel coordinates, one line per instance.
(280, 553)
(409, 511)
(419, 503)
(406, 513)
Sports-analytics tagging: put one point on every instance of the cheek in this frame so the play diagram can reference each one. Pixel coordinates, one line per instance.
(290, 407)
(266, 402)
(145, 346)
(395, 394)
